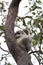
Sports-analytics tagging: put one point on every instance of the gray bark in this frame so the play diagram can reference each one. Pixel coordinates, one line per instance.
(21, 57)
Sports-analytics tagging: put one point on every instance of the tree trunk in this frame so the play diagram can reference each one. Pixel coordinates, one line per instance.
(21, 57)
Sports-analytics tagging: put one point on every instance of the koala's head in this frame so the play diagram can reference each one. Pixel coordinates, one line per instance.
(21, 33)
(23, 39)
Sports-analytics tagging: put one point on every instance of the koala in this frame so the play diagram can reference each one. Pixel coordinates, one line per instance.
(23, 40)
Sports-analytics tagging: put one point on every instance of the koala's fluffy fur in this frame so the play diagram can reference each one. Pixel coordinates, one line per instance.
(23, 39)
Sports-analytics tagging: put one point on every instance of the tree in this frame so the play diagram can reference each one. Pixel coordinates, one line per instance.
(35, 24)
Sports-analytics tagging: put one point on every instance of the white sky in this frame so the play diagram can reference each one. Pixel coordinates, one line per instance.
(22, 12)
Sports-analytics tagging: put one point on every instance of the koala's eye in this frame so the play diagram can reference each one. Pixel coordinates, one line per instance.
(18, 33)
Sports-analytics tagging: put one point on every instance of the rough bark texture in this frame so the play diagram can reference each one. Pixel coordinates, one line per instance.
(21, 57)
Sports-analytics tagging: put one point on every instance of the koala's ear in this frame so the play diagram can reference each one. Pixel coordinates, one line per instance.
(26, 31)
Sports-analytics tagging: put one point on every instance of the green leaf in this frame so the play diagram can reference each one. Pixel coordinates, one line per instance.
(1, 33)
(34, 7)
(38, 1)
(36, 40)
(1, 28)
(38, 7)
(8, 64)
(36, 22)
(30, 17)
(33, 13)
(24, 22)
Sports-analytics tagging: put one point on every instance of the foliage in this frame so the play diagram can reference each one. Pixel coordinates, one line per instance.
(9, 64)
(34, 24)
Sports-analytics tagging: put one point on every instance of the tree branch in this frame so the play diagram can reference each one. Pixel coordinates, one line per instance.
(4, 50)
